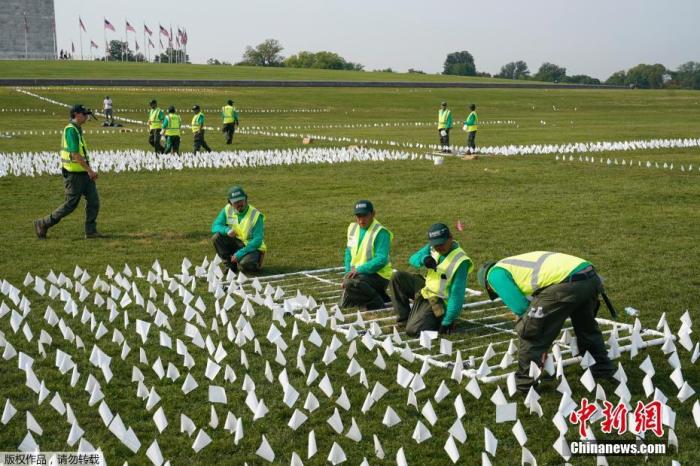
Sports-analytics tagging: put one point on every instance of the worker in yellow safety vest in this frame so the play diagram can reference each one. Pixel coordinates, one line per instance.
(78, 178)
(229, 119)
(444, 126)
(155, 125)
(171, 127)
(198, 130)
(239, 233)
(438, 297)
(471, 125)
(543, 289)
(367, 263)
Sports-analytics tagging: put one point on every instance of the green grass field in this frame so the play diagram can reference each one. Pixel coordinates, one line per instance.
(638, 226)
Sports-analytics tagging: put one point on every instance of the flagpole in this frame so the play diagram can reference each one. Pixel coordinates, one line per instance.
(81, 41)
(104, 31)
(26, 45)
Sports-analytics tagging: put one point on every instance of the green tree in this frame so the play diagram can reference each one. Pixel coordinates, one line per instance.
(266, 53)
(514, 70)
(119, 51)
(688, 75)
(172, 55)
(618, 78)
(581, 79)
(646, 76)
(459, 64)
(321, 60)
(550, 72)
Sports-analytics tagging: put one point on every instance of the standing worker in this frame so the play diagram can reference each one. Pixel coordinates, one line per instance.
(471, 125)
(229, 116)
(437, 298)
(444, 126)
(543, 289)
(78, 178)
(155, 124)
(198, 130)
(107, 104)
(239, 233)
(367, 264)
(171, 126)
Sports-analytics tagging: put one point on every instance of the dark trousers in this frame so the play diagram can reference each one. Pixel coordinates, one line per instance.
(471, 141)
(172, 145)
(444, 140)
(368, 290)
(77, 185)
(229, 129)
(406, 286)
(226, 246)
(199, 142)
(154, 140)
(544, 319)
(109, 115)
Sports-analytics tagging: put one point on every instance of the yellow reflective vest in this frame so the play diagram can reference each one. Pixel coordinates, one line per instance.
(364, 252)
(229, 114)
(439, 281)
(195, 122)
(538, 269)
(66, 160)
(245, 226)
(443, 117)
(475, 126)
(154, 122)
(174, 123)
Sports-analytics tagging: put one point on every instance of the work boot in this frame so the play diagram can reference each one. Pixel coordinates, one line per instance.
(40, 228)
(94, 235)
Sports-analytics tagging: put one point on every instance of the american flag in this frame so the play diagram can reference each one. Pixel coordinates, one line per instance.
(93, 45)
(26, 23)
(164, 31)
(137, 45)
(184, 37)
(109, 26)
(72, 47)
(82, 25)
(148, 31)
(151, 43)
(129, 27)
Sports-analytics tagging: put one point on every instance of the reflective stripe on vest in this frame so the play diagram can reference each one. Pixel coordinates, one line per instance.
(153, 121)
(245, 226)
(475, 126)
(174, 124)
(228, 113)
(435, 285)
(539, 269)
(442, 118)
(195, 122)
(361, 253)
(66, 161)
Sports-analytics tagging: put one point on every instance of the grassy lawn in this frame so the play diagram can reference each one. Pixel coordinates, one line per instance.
(638, 226)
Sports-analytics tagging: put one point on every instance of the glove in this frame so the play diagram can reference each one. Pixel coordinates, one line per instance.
(429, 262)
(447, 329)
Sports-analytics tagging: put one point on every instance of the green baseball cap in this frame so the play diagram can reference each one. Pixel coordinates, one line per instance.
(236, 193)
(363, 207)
(438, 234)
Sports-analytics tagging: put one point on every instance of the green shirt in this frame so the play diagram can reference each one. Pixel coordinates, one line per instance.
(501, 281)
(257, 233)
(73, 138)
(471, 119)
(382, 243)
(458, 286)
(200, 119)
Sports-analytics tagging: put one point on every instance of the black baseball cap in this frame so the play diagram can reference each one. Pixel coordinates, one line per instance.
(80, 108)
(438, 234)
(363, 207)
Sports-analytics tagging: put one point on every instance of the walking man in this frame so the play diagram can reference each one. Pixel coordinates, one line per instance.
(198, 130)
(155, 124)
(471, 125)
(543, 289)
(109, 116)
(367, 264)
(229, 116)
(171, 126)
(78, 178)
(437, 298)
(444, 126)
(239, 232)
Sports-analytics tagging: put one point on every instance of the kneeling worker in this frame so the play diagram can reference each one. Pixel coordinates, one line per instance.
(543, 289)
(367, 263)
(437, 298)
(239, 232)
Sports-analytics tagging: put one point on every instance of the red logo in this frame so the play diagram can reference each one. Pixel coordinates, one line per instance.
(647, 417)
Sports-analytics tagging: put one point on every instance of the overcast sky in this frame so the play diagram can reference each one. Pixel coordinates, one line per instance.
(594, 37)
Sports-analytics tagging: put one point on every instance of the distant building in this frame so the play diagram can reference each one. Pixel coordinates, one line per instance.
(28, 30)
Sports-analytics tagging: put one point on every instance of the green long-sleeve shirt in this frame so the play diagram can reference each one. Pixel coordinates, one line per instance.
(448, 120)
(471, 119)
(382, 244)
(235, 116)
(458, 286)
(501, 281)
(257, 233)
